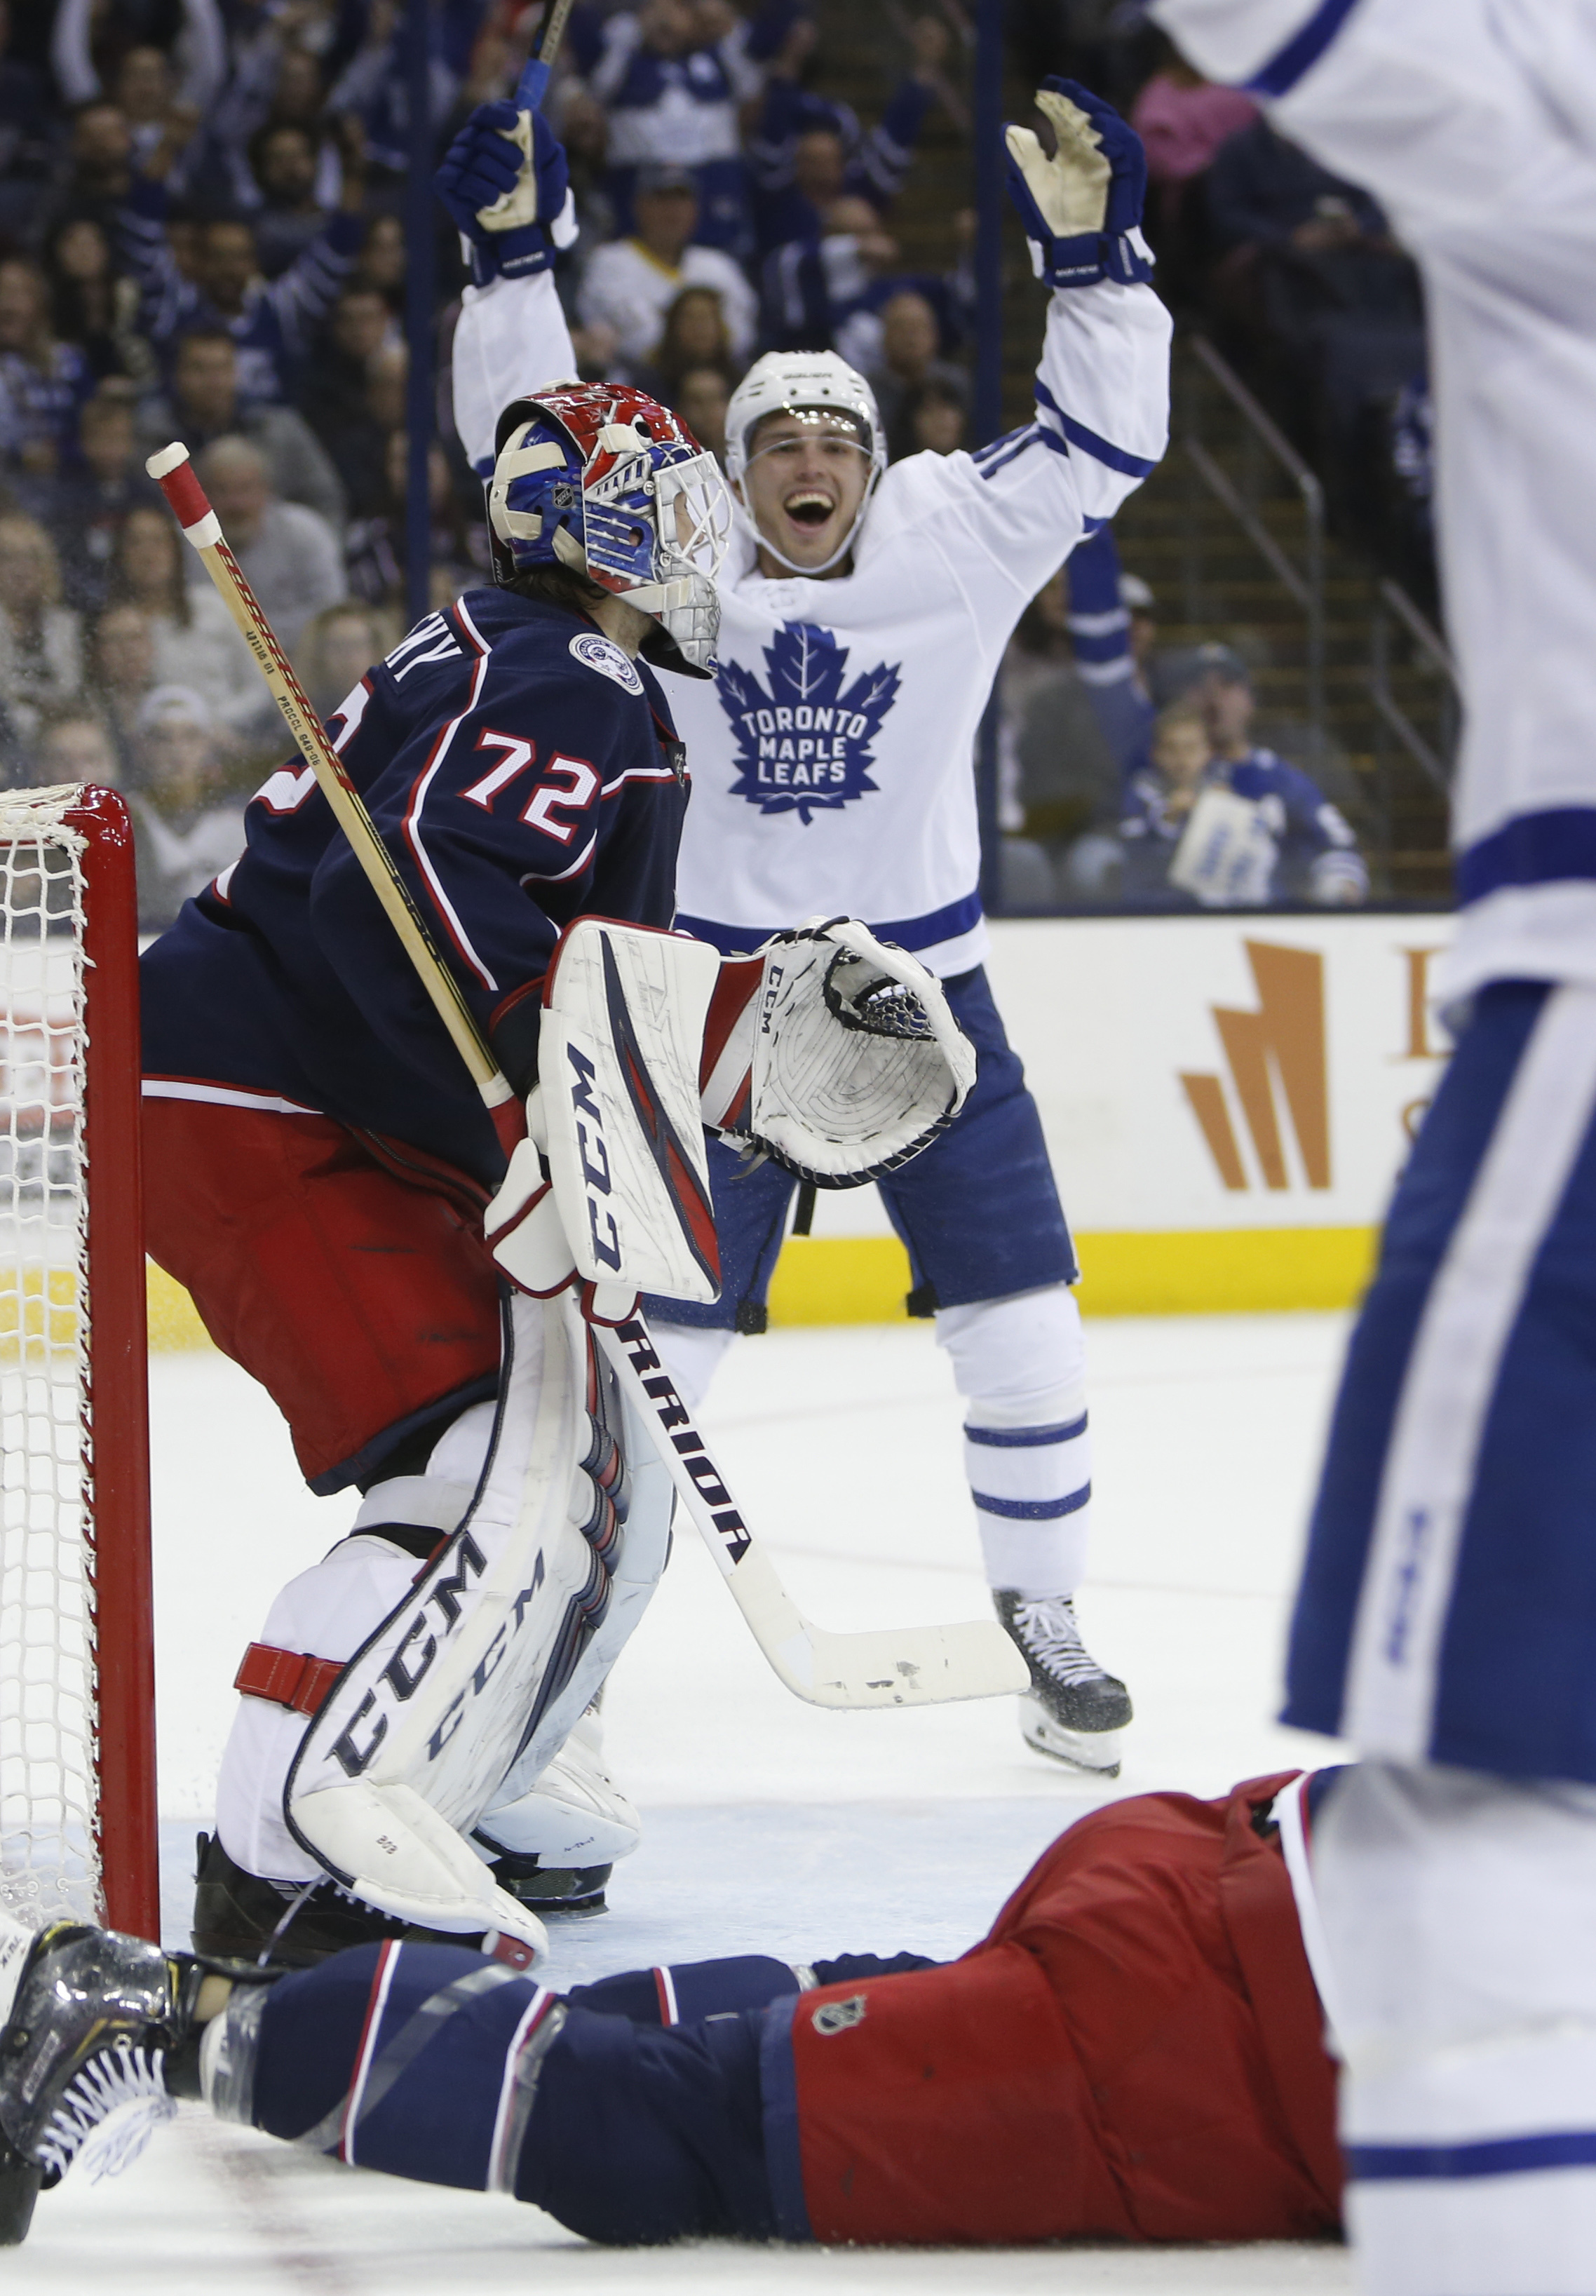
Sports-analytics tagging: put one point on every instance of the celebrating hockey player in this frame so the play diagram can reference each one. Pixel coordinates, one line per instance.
(864, 614)
(413, 1747)
(1446, 1622)
(1135, 2052)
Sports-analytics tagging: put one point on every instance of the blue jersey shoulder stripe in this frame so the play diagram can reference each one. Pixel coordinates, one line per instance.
(1537, 848)
(1303, 51)
(1497, 2156)
(1116, 458)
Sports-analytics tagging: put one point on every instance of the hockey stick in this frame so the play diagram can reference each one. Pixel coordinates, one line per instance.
(913, 1665)
(532, 83)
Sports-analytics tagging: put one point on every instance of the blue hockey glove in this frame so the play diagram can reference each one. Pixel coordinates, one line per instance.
(505, 184)
(1082, 206)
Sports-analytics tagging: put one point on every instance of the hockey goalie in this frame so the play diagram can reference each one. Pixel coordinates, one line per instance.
(416, 1747)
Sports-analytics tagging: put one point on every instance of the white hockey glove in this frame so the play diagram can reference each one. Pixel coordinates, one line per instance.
(1082, 206)
(843, 1061)
(626, 1203)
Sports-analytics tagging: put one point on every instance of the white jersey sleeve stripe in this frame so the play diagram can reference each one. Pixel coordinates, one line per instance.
(1129, 466)
(1282, 73)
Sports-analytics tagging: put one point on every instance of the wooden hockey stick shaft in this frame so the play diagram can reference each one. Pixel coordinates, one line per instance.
(175, 475)
(891, 1666)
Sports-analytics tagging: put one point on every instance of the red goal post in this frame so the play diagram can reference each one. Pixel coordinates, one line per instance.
(78, 1823)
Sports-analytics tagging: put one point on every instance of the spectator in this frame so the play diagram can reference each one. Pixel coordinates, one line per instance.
(30, 126)
(630, 284)
(99, 169)
(1182, 121)
(85, 507)
(1315, 853)
(195, 641)
(273, 323)
(336, 649)
(701, 400)
(383, 264)
(186, 828)
(206, 403)
(121, 673)
(909, 357)
(43, 382)
(1111, 631)
(931, 419)
(72, 747)
(41, 641)
(360, 448)
(288, 553)
(694, 334)
(285, 162)
(672, 100)
(335, 392)
(806, 154)
(95, 49)
(85, 306)
(815, 290)
(1058, 783)
(377, 545)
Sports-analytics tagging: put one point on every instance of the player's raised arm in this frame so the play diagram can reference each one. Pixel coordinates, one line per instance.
(505, 184)
(1101, 419)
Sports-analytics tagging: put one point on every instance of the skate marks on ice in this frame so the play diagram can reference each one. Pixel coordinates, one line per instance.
(212, 2207)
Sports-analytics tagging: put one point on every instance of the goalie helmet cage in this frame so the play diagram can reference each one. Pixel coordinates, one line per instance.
(78, 1830)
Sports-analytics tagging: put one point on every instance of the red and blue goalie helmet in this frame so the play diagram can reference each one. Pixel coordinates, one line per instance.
(603, 478)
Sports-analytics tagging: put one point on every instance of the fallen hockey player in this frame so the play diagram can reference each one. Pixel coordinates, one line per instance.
(416, 1746)
(1136, 2052)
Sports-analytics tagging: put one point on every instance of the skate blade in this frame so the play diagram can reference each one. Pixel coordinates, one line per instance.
(1098, 1752)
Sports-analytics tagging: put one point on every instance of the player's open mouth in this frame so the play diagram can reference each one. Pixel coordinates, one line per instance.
(808, 507)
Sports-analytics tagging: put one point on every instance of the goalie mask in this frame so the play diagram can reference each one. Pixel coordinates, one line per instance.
(603, 479)
(814, 386)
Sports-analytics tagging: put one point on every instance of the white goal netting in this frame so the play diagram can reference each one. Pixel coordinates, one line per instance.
(48, 1850)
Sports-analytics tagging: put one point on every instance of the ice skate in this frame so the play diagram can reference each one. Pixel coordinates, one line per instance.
(555, 1847)
(1076, 1710)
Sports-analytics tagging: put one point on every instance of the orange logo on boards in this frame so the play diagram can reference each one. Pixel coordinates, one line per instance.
(1276, 1054)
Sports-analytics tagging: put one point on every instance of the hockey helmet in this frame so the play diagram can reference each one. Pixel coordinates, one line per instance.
(805, 383)
(603, 478)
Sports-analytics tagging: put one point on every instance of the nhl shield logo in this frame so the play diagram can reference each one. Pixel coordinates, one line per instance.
(804, 743)
(838, 2016)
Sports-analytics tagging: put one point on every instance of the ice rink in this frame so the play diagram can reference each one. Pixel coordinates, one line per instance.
(769, 1825)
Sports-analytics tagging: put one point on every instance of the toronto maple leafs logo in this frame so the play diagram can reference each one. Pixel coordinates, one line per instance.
(805, 744)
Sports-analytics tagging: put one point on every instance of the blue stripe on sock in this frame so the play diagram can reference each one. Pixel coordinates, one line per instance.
(1499, 2156)
(1026, 1438)
(1033, 1509)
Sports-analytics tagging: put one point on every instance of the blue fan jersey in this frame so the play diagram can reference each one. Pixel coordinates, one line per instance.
(522, 771)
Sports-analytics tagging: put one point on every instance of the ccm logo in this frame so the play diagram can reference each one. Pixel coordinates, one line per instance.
(595, 1160)
(773, 989)
(417, 1648)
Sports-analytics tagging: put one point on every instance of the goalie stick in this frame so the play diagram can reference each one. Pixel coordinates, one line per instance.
(889, 1667)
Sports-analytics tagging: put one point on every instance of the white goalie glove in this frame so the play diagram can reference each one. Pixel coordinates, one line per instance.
(841, 1059)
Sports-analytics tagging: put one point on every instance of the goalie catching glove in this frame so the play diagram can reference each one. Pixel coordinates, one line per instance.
(834, 1054)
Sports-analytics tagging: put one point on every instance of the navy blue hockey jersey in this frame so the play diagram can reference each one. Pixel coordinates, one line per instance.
(523, 771)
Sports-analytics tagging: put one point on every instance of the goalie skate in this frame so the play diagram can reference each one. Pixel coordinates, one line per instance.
(1074, 1711)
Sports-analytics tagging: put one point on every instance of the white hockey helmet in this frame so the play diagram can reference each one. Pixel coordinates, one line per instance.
(805, 383)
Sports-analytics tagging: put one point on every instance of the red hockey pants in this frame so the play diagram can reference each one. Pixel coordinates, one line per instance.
(346, 1273)
(1133, 2052)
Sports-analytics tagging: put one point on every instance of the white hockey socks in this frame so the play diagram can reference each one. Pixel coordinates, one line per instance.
(1019, 1364)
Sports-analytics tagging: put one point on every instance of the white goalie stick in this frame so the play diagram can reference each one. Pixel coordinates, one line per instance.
(889, 1667)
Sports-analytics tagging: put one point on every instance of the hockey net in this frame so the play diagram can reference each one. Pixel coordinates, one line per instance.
(76, 1707)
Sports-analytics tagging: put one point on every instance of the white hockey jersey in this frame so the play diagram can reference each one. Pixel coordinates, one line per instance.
(831, 758)
(1474, 122)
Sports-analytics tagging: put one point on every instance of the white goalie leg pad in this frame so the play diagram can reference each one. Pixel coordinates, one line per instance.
(856, 1061)
(574, 1815)
(488, 1653)
(619, 1061)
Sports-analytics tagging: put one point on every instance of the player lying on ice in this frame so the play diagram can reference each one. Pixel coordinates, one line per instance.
(1133, 2052)
(864, 611)
(414, 1747)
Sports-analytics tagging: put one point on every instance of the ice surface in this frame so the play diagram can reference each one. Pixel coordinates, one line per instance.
(770, 1827)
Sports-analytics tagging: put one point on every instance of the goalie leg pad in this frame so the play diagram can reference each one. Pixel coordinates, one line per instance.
(489, 1657)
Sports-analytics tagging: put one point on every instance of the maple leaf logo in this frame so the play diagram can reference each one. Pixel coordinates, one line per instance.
(804, 742)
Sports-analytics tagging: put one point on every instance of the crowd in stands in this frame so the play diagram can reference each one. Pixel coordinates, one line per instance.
(201, 236)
